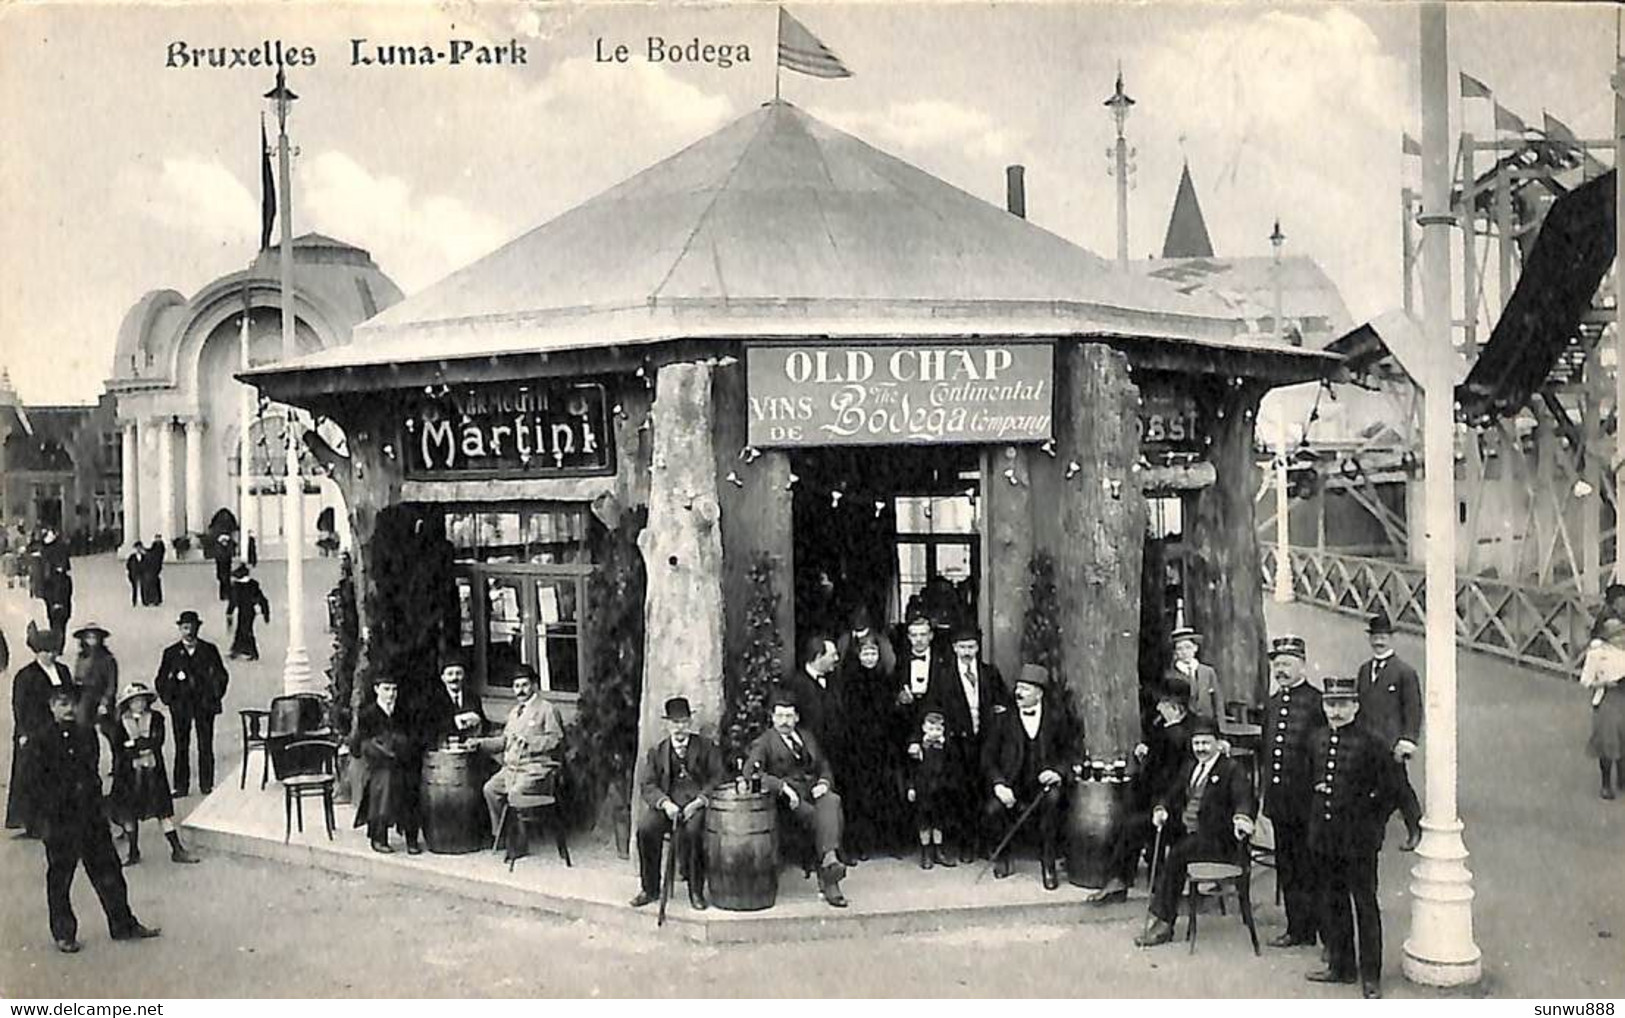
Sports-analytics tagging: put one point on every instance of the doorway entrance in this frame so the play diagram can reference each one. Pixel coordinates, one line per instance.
(892, 530)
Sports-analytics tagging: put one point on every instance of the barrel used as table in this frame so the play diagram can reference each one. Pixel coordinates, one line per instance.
(1097, 813)
(742, 850)
(452, 802)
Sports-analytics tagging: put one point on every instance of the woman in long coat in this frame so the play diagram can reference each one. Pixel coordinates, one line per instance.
(864, 768)
(96, 672)
(246, 599)
(140, 779)
(1604, 668)
(31, 712)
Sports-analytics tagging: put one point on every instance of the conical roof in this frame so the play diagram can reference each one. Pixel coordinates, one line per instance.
(1187, 229)
(778, 224)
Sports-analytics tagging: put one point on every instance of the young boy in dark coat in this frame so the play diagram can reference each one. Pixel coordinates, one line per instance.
(390, 758)
(930, 786)
(140, 780)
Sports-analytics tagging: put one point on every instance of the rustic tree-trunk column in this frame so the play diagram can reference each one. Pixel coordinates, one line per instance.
(682, 551)
(1102, 516)
(1008, 515)
(1224, 592)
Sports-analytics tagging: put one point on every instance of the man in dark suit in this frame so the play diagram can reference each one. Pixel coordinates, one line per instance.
(810, 685)
(452, 708)
(191, 681)
(682, 768)
(62, 768)
(1353, 773)
(1291, 720)
(31, 691)
(390, 762)
(1391, 704)
(1026, 758)
(793, 766)
(1160, 758)
(966, 690)
(1209, 813)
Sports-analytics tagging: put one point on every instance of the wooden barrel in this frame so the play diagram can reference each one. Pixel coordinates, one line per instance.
(1097, 812)
(453, 806)
(742, 850)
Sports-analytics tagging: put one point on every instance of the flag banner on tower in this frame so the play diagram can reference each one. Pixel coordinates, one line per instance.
(800, 51)
(1408, 145)
(1558, 131)
(1472, 88)
(1506, 120)
(267, 191)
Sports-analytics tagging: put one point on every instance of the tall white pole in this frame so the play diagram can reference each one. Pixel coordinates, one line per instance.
(1619, 287)
(245, 455)
(1283, 505)
(296, 677)
(1440, 950)
(1119, 103)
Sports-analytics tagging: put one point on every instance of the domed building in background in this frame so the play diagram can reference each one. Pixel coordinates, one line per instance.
(181, 410)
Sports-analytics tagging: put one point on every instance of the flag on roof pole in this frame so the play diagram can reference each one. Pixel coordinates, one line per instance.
(1558, 131)
(1408, 145)
(267, 190)
(1472, 88)
(800, 51)
(1506, 120)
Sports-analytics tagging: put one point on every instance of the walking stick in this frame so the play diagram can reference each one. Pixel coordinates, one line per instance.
(1010, 834)
(671, 871)
(1156, 854)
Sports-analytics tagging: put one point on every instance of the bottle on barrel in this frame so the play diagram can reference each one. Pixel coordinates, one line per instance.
(756, 778)
(741, 783)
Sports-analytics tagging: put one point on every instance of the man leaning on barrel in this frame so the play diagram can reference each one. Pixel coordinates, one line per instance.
(681, 769)
(794, 767)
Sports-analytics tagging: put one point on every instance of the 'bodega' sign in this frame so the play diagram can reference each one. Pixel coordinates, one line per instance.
(918, 393)
(508, 429)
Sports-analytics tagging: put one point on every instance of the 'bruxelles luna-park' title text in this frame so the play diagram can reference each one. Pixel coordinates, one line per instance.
(362, 52)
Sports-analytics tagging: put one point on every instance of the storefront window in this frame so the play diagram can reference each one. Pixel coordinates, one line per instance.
(558, 634)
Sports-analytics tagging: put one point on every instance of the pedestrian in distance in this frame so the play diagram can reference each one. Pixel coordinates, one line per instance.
(224, 547)
(140, 780)
(56, 590)
(95, 671)
(1604, 668)
(246, 597)
(152, 572)
(62, 768)
(191, 681)
(134, 569)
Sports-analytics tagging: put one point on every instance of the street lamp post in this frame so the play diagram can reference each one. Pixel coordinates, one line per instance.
(1119, 104)
(1440, 950)
(296, 676)
(1283, 504)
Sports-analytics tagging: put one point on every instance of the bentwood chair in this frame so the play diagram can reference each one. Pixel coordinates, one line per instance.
(254, 737)
(306, 769)
(1221, 878)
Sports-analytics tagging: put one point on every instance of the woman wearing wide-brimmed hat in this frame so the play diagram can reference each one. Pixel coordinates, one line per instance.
(96, 672)
(140, 780)
(30, 713)
(1604, 668)
(246, 598)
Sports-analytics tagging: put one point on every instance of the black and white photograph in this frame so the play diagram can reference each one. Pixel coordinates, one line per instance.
(907, 499)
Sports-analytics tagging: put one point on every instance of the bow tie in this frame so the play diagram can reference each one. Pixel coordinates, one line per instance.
(1030, 713)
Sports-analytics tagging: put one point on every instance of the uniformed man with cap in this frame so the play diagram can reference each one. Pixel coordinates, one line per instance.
(1026, 758)
(682, 768)
(1352, 796)
(1292, 718)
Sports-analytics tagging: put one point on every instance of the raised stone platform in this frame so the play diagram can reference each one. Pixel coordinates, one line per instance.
(887, 895)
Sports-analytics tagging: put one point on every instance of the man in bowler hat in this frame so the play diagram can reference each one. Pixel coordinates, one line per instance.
(967, 690)
(73, 824)
(1291, 720)
(191, 681)
(682, 768)
(1353, 775)
(1026, 759)
(1391, 703)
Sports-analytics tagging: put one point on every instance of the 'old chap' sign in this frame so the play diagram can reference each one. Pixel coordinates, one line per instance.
(904, 394)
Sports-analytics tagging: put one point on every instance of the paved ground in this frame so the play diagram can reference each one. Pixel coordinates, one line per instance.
(1545, 856)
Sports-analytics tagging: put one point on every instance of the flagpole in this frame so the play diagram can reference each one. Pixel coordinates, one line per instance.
(777, 67)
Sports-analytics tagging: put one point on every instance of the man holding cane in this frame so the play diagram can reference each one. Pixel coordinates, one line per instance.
(681, 769)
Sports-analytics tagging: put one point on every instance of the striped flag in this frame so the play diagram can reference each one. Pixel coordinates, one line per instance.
(1506, 120)
(800, 51)
(267, 190)
(1472, 88)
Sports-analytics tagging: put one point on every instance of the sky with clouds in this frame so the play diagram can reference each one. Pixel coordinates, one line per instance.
(122, 175)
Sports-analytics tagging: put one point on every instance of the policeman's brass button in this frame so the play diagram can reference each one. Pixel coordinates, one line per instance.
(1331, 765)
(1280, 738)
(1275, 781)
(1283, 712)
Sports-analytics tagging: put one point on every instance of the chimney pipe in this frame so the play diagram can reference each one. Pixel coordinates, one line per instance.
(1015, 190)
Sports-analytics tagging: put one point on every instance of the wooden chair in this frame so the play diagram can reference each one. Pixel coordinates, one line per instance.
(306, 769)
(537, 806)
(254, 737)
(1229, 878)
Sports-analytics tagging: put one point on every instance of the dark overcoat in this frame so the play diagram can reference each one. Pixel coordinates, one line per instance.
(1291, 719)
(387, 756)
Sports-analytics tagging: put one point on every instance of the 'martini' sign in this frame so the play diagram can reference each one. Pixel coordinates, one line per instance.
(510, 429)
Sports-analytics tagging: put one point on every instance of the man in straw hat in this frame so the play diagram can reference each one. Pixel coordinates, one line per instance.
(191, 681)
(681, 769)
(1209, 812)
(1391, 701)
(1291, 720)
(1353, 776)
(1026, 760)
(73, 824)
(1203, 680)
(31, 690)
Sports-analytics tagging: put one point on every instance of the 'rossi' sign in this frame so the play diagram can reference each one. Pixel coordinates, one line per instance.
(508, 429)
(904, 394)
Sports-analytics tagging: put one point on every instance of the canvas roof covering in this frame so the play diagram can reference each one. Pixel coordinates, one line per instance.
(778, 225)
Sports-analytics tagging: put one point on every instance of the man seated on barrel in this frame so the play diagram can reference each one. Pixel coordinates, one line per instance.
(528, 749)
(453, 708)
(1159, 760)
(681, 769)
(1024, 762)
(1208, 815)
(793, 766)
(389, 763)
